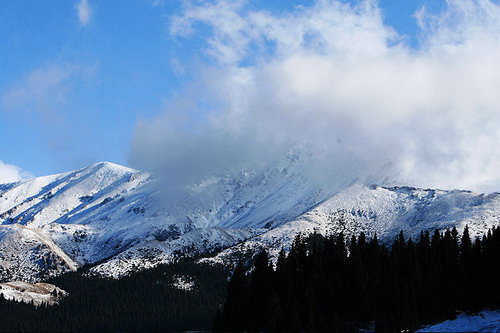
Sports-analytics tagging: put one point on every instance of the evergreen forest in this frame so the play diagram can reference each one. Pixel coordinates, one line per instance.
(333, 285)
(146, 301)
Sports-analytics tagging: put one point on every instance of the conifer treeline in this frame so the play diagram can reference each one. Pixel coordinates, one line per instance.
(328, 284)
(146, 301)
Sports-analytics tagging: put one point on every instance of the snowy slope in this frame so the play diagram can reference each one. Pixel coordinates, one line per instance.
(484, 321)
(118, 217)
(36, 294)
(386, 211)
(26, 254)
(98, 212)
(56, 223)
(151, 253)
(381, 210)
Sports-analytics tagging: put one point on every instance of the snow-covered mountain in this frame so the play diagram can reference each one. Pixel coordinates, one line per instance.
(384, 211)
(117, 218)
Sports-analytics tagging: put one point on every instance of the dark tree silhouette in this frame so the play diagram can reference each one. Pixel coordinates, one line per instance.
(325, 285)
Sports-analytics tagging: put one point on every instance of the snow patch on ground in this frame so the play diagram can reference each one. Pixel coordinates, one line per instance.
(183, 282)
(36, 294)
(484, 321)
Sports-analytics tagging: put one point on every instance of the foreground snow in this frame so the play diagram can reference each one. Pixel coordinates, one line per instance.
(484, 321)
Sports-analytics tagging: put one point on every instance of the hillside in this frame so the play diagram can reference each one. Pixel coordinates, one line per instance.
(118, 217)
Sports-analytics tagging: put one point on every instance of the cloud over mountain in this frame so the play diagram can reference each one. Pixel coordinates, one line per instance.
(335, 77)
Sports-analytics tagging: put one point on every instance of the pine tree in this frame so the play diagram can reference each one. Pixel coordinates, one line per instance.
(261, 287)
(465, 246)
(234, 319)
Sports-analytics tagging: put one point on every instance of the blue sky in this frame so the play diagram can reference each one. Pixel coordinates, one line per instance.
(85, 80)
(115, 68)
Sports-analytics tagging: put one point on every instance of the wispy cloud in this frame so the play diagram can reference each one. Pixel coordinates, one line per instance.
(334, 76)
(45, 90)
(84, 11)
(44, 98)
(156, 3)
(41, 91)
(11, 173)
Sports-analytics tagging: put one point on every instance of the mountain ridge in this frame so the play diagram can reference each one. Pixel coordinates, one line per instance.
(118, 217)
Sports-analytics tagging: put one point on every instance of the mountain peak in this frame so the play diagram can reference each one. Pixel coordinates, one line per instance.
(111, 167)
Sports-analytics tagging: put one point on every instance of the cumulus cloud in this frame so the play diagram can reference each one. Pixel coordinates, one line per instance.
(84, 12)
(335, 77)
(11, 173)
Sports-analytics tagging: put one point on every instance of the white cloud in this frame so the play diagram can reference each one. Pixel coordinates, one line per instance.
(11, 173)
(84, 12)
(334, 76)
